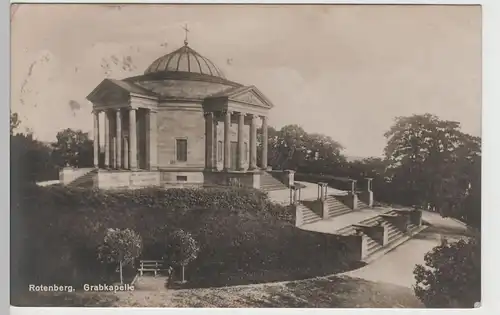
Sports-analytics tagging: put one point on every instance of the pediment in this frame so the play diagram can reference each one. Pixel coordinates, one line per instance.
(250, 95)
(110, 92)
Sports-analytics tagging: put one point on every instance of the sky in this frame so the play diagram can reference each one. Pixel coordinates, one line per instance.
(345, 71)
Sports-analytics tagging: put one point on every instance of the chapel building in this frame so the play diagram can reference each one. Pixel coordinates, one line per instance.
(180, 123)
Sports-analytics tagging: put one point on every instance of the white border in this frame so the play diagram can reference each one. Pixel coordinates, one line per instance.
(491, 154)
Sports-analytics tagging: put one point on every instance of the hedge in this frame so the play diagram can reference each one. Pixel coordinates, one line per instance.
(56, 231)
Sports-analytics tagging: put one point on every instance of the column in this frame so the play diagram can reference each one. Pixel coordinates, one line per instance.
(253, 143)
(115, 153)
(209, 140)
(152, 140)
(133, 139)
(96, 139)
(147, 137)
(119, 138)
(227, 141)
(106, 139)
(215, 145)
(126, 153)
(241, 143)
(264, 143)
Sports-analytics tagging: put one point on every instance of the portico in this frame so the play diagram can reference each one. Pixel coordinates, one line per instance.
(237, 114)
(129, 138)
(237, 156)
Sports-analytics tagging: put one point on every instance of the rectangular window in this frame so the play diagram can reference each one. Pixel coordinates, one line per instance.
(219, 151)
(182, 178)
(181, 150)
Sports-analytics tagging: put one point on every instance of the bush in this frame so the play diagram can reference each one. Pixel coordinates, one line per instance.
(451, 276)
(120, 247)
(236, 229)
(181, 249)
(54, 222)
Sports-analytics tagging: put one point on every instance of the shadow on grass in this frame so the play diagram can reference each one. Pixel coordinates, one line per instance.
(245, 277)
(328, 292)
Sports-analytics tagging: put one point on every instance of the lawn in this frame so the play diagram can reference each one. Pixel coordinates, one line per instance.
(323, 292)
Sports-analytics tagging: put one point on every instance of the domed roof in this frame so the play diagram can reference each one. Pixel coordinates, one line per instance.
(184, 59)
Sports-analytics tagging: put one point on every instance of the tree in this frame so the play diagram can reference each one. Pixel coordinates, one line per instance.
(430, 161)
(73, 148)
(31, 160)
(14, 122)
(120, 246)
(451, 276)
(181, 249)
(292, 148)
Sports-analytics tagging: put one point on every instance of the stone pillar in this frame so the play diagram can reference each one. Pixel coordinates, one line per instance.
(367, 196)
(322, 190)
(264, 143)
(152, 132)
(114, 145)
(119, 151)
(209, 140)
(253, 143)
(126, 153)
(215, 147)
(106, 139)
(96, 139)
(227, 141)
(289, 177)
(241, 149)
(133, 139)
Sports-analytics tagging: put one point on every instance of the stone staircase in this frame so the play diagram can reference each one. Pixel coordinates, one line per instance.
(372, 245)
(362, 205)
(308, 215)
(86, 180)
(336, 207)
(270, 183)
(394, 235)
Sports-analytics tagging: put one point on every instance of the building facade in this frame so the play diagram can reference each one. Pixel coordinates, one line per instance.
(180, 123)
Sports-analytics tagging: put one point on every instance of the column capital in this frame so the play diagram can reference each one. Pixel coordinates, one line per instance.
(208, 114)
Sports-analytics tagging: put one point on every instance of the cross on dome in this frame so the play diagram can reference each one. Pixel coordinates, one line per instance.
(185, 28)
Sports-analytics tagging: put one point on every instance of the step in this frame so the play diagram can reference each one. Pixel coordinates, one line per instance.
(312, 220)
(338, 213)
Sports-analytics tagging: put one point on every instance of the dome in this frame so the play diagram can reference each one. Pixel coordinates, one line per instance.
(184, 59)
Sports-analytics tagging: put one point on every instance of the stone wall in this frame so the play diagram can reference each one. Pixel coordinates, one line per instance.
(183, 124)
(69, 174)
(233, 178)
(356, 246)
(181, 179)
(126, 179)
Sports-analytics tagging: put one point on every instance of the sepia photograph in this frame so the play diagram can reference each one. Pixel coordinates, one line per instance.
(245, 155)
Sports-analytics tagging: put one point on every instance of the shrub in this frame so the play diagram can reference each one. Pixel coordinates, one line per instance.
(181, 249)
(235, 229)
(451, 276)
(120, 246)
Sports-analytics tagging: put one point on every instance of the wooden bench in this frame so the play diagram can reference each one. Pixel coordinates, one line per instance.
(150, 265)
